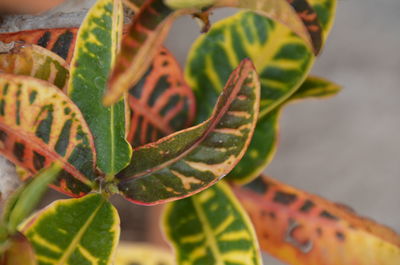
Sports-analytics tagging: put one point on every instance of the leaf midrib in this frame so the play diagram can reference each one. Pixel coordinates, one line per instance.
(213, 120)
(208, 232)
(75, 242)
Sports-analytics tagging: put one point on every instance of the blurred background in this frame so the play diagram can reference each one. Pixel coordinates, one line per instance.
(346, 149)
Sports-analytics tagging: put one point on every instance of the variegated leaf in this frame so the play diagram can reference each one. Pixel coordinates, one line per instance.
(40, 125)
(151, 117)
(35, 61)
(211, 228)
(161, 103)
(75, 231)
(304, 229)
(326, 10)
(264, 142)
(58, 40)
(139, 46)
(142, 254)
(298, 15)
(94, 56)
(281, 58)
(315, 87)
(309, 29)
(191, 160)
(154, 20)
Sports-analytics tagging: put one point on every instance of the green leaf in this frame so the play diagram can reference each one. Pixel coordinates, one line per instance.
(281, 58)
(94, 56)
(75, 231)
(139, 46)
(142, 254)
(191, 160)
(35, 61)
(161, 103)
(298, 15)
(40, 125)
(304, 229)
(150, 26)
(211, 228)
(26, 198)
(264, 142)
(315, 87)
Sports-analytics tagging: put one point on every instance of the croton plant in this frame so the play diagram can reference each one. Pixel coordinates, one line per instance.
(105, 109)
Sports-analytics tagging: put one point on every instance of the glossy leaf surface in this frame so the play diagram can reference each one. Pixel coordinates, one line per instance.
(304, 229)
(35, 61)
(142, 254)
(191, 160)
(298, 15)
(211, 228)
(281, 58)
(265, 139)
(40, 125)
(75, 231)
(58, 40)
(154, 20)
(139, 46)
(94, 56)
(161, 103)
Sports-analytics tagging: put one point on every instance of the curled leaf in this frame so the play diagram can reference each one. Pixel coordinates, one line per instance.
(211, 228)
(191, 160)
(40, 125)
(304, 229)
(35, 61)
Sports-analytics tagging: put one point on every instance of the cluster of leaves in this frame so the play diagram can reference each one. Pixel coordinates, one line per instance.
(106, 110)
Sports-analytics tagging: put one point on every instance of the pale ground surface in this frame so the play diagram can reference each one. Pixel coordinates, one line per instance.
(346, 149)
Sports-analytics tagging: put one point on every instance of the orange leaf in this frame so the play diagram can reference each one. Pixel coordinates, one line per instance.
(304, 229)
(39, 125)
(59, 40)
(161, 103)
